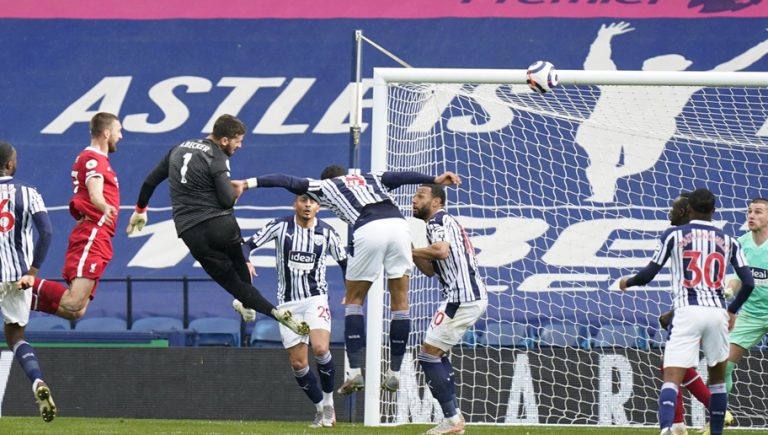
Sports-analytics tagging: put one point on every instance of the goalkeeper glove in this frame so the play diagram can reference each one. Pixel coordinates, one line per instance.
(137, 221)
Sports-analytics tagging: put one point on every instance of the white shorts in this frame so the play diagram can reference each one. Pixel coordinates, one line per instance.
(693, 328)
(445, 332)
(312, 310)
(14, 303)
(384, 242)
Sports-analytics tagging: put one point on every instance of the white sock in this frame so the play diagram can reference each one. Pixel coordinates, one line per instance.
(327, 399)
(354, 372)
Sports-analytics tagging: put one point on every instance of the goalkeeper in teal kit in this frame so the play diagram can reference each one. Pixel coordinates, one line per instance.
(752, 322)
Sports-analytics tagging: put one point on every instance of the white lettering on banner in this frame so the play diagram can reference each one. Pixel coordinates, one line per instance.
(522, 387)
(163, 249)
(612, 404)
(410, 407)
(433, 107)
(110, 91)
(175, 112)
(579, 244)
(336, 118)
(497, 114)
(6, 359)
(514, 242)
(273, 121)
(243, 89)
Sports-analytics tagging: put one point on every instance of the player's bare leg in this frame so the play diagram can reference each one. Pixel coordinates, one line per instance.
(74, 302)
(400, 328)
(354, 335)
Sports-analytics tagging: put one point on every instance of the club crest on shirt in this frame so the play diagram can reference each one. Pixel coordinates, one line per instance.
(90, 164)
(318, 239)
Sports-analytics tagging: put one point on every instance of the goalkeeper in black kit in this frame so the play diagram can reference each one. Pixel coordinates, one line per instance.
(202, 199)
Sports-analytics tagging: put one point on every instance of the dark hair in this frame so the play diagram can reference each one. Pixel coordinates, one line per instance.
(437, 191)
(760, 199)
(100, 122)
(702, 201)
(228, 126)
(6, 152)
(332, 172)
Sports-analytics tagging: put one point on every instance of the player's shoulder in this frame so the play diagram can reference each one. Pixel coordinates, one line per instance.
(323, 225)
(745, 239)
(440, 218)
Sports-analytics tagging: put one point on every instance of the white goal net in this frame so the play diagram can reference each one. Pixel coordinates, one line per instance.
(563, 194)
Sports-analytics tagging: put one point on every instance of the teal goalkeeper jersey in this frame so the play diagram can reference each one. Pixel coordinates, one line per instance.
(757, 258)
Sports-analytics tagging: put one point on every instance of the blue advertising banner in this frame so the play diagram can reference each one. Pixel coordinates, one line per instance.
(288, 80)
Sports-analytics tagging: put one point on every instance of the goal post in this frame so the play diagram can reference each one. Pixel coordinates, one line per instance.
(564, 193)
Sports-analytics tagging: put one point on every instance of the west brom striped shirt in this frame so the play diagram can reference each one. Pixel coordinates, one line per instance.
(356, 199)
(459, 272)
(21, 208)
(700, 253)
(300, 254)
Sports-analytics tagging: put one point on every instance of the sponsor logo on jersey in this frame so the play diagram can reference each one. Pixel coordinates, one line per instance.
(760, 274)
(301, 260)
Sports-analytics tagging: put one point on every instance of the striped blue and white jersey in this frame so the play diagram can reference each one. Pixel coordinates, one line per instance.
(21, 209)
(700, 253)
(459, 273)
(347, 195)
(356, 199)
(300, 255)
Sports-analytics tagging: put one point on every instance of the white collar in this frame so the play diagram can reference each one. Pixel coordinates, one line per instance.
(96, 150)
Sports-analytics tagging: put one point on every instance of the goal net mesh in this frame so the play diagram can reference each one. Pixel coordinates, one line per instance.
(562, 194)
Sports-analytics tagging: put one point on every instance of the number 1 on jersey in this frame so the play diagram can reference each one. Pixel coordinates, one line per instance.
(187, 157)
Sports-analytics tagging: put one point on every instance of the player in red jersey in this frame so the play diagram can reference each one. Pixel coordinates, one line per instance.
(94, 205)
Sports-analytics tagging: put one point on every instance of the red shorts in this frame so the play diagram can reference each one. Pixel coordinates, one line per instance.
(88, 253)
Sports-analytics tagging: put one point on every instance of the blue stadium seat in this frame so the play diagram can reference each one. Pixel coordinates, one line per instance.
(101, 324)
(560, 335)
(48, 323)
(152, 324)
(507, 334)
(216, 331)
(620, 335)
(266, 334)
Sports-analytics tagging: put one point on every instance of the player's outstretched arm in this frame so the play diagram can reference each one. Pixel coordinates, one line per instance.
(139, 217)
(298, 186)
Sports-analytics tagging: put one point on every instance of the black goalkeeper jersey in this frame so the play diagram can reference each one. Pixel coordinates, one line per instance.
(192, 169)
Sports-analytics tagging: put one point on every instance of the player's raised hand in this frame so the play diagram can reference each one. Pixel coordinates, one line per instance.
(137, 221)
(239, 186)
(623, 283)
(251, 269)
(25, 282)
(108, 218)
(447, 178)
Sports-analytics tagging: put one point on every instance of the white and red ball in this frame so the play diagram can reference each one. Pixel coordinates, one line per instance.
(542, 76)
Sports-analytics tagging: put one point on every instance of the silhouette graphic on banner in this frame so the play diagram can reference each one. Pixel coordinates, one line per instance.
(636, 128)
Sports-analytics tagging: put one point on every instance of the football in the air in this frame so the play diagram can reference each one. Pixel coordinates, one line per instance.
(541, 76)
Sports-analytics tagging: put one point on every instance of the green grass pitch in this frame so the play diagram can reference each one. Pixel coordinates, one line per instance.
(64, 425)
